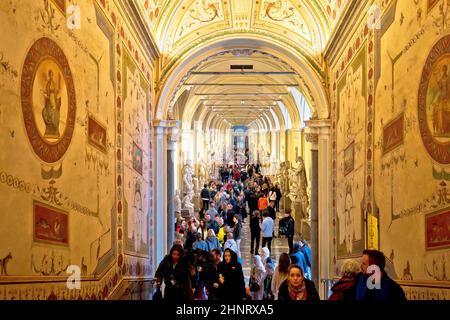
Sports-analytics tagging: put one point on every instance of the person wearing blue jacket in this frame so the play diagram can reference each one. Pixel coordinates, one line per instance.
(200, 244)
(298, 257)
(387, 290)
(267, 228)
(306, 250)
(212, 241)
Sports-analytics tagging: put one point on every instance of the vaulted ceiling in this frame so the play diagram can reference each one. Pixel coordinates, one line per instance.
(302, 24)
(212, 89)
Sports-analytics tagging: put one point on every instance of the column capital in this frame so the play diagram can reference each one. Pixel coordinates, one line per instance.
(312, 138)
(164, 127)
(166, 123)
(172, 138)
(322, 126)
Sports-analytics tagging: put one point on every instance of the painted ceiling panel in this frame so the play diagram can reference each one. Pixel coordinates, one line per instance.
(308, 23)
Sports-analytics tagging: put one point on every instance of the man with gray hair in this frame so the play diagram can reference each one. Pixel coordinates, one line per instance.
(345, 288)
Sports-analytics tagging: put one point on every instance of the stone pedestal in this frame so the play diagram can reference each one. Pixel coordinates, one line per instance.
(296, 208)
(305, 230)
(185, 213)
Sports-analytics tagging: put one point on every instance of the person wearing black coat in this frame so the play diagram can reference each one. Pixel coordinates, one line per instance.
(174, 271)
(288, 226)
(230, 283)
(255, 232)
(297, 287)
(389, 289)
(279, 195)
(253, 202)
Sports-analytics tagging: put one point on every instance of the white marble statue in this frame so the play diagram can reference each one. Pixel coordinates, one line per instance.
(187, 202)
(188, 172)
(202, 173)
(298, 185)
(177, 200)
(197, 189)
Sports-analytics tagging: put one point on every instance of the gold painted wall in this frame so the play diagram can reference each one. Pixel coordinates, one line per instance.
(75, 167)
(383, 161)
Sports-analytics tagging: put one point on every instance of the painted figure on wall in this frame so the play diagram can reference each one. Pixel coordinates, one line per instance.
(349, 224)
(434, 102)
(440, 90)
(51, 111)
(139, 228)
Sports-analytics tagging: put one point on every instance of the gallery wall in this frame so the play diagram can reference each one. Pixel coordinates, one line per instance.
(76, 168)
(388, 84)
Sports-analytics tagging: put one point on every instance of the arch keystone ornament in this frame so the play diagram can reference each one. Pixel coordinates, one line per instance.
(48, 100)
(434, 102)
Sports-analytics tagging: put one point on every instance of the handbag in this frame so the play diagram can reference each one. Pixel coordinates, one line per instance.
(254, 286)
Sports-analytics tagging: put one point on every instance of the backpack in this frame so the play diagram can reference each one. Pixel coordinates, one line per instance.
(272, 196)
(283, 227)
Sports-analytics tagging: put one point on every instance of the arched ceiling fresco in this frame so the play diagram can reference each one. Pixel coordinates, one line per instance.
(181, 27)
(305, 25)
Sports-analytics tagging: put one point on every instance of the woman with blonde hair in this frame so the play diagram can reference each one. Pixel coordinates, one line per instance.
(345, 288)
(281, 273)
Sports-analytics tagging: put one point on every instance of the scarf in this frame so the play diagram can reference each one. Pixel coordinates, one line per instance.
(297, 293)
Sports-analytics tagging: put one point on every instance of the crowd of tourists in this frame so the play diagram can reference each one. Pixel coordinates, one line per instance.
(206, 263)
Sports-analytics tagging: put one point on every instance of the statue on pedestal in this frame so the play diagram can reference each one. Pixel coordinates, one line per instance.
(188, 172)
(187, 202)
(202, 173)
(298, 186)
(177, 201)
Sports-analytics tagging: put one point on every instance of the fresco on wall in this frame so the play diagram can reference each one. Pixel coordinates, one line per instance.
(48, 100)
(349, 159)
(136, 161)
(51, 225)
(434, 102)
(137, 158)
(97, 134)
(351, 115)
(393, 134)
(438, 230)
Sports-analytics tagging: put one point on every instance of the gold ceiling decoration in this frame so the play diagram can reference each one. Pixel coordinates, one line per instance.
(304, 24)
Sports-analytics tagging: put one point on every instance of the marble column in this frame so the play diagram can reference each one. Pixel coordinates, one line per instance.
(318, 134)
(314, 203)
(172, 140)
(158, 184)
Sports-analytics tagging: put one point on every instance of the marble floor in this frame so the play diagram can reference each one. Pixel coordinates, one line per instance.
(279, 246)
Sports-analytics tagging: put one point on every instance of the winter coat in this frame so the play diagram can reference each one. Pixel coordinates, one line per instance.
(213, 243)
(390, 290)
(344, 290)
(176, 279)
(311, 292)
(263, 203)
(297, 257)
(237, 231)
(200, 245)
(233, 288)
(255, 225)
